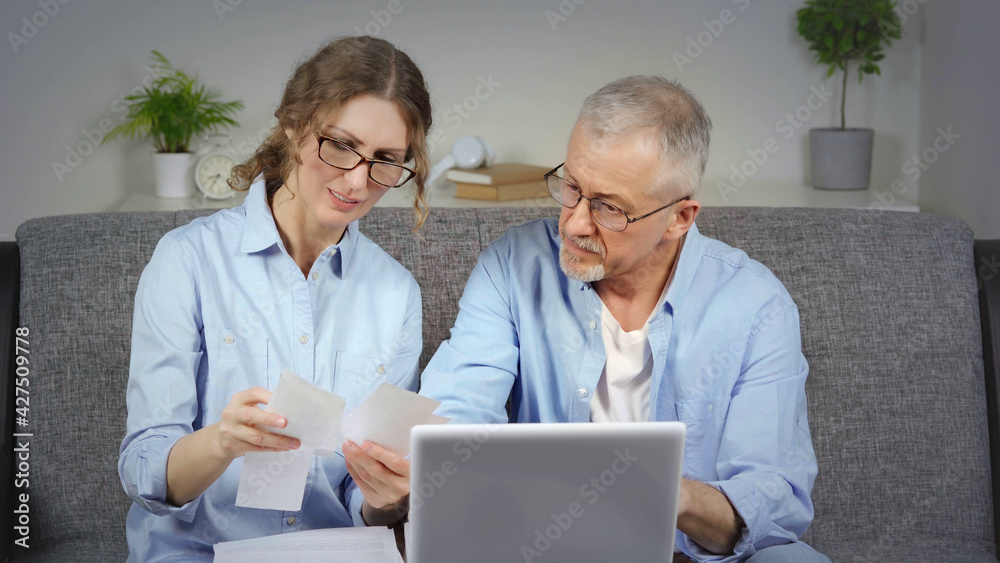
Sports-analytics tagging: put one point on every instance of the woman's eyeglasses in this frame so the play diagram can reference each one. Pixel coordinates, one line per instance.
(339, 155)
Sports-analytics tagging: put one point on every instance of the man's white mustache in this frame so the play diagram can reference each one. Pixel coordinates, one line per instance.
(588, 244)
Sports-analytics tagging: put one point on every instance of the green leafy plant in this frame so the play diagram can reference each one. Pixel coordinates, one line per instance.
(173, 109)
(841, 31)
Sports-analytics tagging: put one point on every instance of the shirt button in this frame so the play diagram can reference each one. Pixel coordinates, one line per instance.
(303, 339)
(230, 339)
(333, 251)
(593, 325)
(291, 520)
(380, 369)
(582, 392)
(315, 275)
(711, 408)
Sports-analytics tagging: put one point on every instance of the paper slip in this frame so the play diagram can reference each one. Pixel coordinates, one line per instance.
(311, 412)
(357, 545)
(385, 418)
(277, 480)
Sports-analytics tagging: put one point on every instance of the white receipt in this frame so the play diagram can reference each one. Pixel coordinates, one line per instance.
(385, 418)
(311, 412)
(277, 480)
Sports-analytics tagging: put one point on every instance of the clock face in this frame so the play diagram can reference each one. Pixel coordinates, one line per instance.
(211, 175)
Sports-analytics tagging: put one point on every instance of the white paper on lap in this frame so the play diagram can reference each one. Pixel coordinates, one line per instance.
(357, 545)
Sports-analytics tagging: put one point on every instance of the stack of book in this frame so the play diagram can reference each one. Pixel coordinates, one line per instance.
(501, 182)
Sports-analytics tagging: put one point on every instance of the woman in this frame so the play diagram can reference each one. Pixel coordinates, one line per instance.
(284, 282)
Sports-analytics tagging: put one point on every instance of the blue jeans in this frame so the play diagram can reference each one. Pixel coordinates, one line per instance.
(797, 552)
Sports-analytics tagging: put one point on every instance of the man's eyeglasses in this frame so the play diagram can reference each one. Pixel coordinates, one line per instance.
(604, 214)
(339, 155)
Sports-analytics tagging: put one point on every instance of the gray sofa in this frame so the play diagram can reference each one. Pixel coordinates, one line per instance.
(902, 407)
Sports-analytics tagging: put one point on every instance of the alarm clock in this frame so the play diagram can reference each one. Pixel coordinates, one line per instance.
(212, 171)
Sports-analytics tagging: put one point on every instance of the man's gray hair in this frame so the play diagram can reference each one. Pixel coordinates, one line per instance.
(675, 116)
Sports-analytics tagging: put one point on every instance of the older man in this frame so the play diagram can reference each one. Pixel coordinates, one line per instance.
(622, 311)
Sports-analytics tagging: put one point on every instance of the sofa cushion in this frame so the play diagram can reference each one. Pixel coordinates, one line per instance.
(889, 325)
(78, 280)
(897, 409)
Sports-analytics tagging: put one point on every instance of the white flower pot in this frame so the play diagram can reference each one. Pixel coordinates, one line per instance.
(841, 158)
(174, 174)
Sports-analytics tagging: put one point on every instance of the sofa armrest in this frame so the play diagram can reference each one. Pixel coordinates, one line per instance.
(987, 256)
(10, 287)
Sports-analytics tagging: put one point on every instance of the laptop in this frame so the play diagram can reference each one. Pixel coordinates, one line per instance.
(564, 492)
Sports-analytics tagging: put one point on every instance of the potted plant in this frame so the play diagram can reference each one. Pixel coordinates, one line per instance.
(841, 32)
(171, 110)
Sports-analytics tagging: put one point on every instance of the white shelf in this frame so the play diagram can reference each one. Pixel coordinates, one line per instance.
(748, 196)
(797, 195)
(149, 202)
(401, 197)
(445, 197)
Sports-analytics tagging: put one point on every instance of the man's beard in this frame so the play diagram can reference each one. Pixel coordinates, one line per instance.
(570, 263)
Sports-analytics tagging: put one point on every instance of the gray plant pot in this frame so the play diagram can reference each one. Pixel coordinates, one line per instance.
(841, 158)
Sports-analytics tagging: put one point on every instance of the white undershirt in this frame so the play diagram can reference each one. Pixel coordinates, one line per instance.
(622, 393)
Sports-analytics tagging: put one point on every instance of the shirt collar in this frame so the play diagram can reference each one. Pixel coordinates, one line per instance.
(687, 266)
(684, 271)
(260, 231)
(345, 249)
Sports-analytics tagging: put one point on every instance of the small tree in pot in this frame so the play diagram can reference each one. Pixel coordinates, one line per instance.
(172, 110)
(841, 32)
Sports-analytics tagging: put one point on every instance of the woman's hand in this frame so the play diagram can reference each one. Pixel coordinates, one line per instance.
(198, 459)
(242, 427)
(384, 479)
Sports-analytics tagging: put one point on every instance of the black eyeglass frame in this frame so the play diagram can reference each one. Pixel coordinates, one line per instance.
(363, 159)
(591, 200)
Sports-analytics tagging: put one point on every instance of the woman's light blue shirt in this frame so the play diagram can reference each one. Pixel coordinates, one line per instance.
(222, 307)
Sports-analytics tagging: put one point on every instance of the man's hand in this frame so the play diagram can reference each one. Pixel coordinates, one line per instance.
(706, 516)
(384, 479)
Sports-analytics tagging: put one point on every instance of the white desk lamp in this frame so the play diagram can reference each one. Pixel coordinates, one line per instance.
(467, 152)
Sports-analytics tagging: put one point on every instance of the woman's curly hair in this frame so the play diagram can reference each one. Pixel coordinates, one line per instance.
(338, 71)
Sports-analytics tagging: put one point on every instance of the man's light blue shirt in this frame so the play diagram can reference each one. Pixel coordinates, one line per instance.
(222, 307)
(726, 356)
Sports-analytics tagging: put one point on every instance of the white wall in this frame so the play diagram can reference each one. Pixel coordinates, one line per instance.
(960, 93)
(72, 72)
